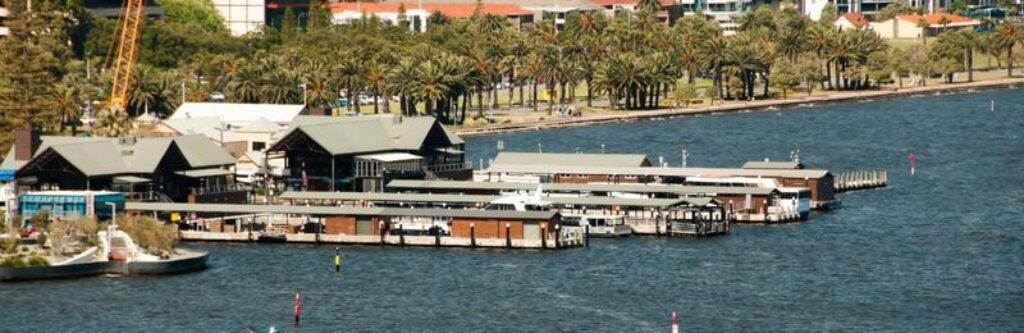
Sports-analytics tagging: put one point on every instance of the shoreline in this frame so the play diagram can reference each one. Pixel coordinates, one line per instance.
(836, 97)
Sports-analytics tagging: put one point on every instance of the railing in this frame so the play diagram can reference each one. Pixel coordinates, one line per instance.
(236, 187)
(453, 166)
(859, 180)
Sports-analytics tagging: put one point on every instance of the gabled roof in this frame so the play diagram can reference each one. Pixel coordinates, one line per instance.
(934, 20)
(858, 20)
(357, 135)
(111, 156)
(782, 165)
(605, 160)
(239, 113)
(207, 126)
(262, 125)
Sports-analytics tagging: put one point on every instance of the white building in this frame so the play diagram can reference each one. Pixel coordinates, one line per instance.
(4, 31)
(907, 26)
(239, 114)
(416, 14)
(242, 16)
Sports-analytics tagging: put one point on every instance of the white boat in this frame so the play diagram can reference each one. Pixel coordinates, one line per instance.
(600, 225)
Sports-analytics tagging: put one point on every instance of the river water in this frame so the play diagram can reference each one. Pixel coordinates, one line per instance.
(938, 251)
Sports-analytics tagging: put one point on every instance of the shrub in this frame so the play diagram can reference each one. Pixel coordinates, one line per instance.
(37, 261)
(148, 233)
(13, 261)
(41, 220)
(8, 245)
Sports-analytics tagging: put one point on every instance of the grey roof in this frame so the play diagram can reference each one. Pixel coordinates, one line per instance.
(354, 135)
(656, 171)
(386, 196)
(605, 160)
(204, 173)
(131, 179)
(784, 165)
(262, 125)
(471, 199)
(400, 184)
(202, 125)
(10, 163)
(331, 210)
(111, 156)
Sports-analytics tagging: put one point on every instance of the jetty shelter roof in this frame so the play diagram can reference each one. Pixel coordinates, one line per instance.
(358, 135)
(781, 165)
(401, 184)
(607, 160)
(331, 210)
(470, 199)
(655, 171)
(111, 156)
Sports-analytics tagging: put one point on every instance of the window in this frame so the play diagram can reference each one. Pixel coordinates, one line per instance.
(259, 145)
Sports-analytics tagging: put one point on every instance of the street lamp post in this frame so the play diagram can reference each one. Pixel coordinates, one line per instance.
(223, 127)
(113, 213)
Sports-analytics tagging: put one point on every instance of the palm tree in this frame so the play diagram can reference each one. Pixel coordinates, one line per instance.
(376, 82)
(244, 86)
(351, 74)
(66, 101)
(320, 92)
(280, 86)
(1007, 36)
(112, 123)
(430, 85)
(402, 81)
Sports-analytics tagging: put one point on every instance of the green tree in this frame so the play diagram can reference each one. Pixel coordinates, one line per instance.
(785, 76)
(34, 56)
(683, 94)
(198, 12)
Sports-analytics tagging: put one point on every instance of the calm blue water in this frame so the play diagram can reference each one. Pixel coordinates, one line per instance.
(939, 251)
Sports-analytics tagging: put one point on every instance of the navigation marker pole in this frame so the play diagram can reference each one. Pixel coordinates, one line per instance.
(992, 105)
(674, 323)
(913, 162)
(298, 308)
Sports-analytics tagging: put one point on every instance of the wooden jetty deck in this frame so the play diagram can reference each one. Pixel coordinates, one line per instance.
(567, 239)
(861, 180)
(366, 225)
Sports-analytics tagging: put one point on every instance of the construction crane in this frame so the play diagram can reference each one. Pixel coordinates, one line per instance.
(127, 46)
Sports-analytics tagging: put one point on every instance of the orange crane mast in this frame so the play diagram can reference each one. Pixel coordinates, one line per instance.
(128, 45)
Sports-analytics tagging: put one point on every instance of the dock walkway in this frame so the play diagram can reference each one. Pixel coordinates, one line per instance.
(567, 239)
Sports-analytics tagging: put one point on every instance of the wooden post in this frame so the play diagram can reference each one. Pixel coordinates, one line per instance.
(437, 238)
(472, 235)
(558, 236)
(508, 236)
(401, 235)
(586, 235)
(543, 237)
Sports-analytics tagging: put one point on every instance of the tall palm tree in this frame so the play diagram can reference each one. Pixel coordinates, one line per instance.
(376, 82)
(244, 85)
(1007, 36)
(351, 74)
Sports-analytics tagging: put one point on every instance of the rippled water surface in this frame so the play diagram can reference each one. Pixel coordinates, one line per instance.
(938, 251)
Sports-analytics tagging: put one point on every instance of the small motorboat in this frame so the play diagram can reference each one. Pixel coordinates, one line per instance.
(272, 238)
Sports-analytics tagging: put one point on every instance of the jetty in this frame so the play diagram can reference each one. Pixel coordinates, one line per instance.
(861, 180)
(644, 216)
(367, 225)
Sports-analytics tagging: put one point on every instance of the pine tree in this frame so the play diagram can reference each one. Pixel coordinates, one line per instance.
(288, 23)
(33, 57)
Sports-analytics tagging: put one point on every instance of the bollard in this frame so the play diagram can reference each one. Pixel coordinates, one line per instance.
(298, 308)
(586, 236)
(558, 235)
(673, 323)
(472, 235)
(401, 235)
(337, 259)
(437, 238)
(508, 236)
(543, 237)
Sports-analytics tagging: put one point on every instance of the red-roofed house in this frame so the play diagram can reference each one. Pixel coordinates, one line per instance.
(417, 14)
(909, 26)
(855, 21)
(665, 15)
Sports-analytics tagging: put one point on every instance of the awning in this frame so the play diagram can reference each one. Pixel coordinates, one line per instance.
(7, 174)
(202, 173)
(131, 179)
